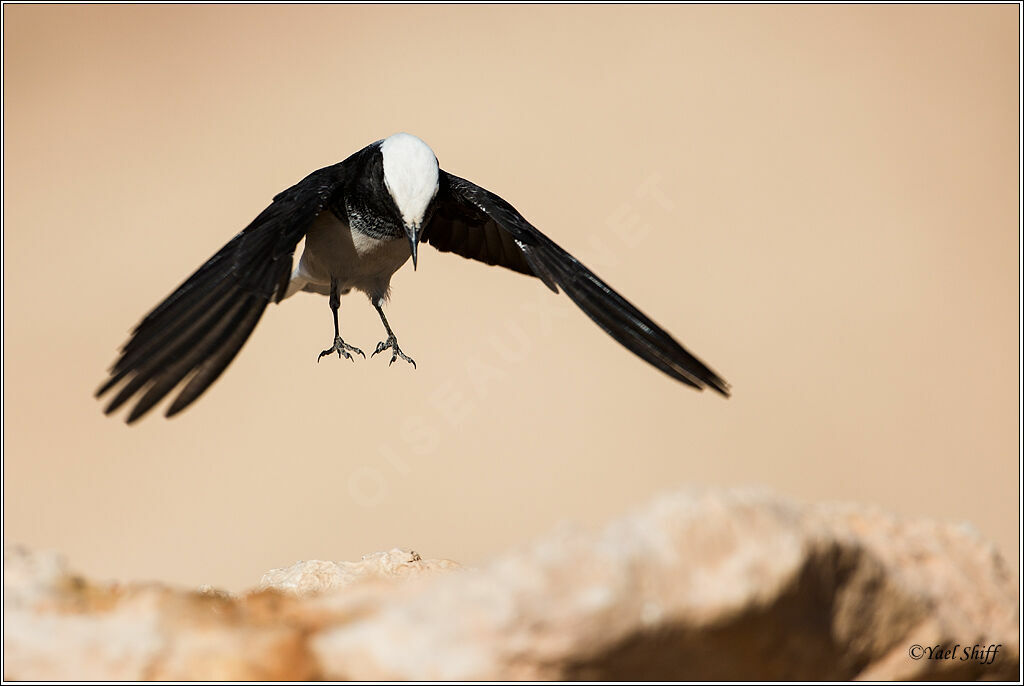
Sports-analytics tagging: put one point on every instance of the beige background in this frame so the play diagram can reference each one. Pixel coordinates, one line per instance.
(829, 201)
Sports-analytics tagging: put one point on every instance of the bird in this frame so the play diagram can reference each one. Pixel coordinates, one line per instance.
(362, 219)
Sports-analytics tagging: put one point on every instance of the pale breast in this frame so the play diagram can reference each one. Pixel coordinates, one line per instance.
(358, 261)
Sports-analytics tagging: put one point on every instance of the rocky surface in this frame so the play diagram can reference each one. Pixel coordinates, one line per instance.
(318, 576)
(696, 586)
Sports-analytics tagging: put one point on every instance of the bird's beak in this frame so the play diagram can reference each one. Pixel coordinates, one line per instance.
(413, 232)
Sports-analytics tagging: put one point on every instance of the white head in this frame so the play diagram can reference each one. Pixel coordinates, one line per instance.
(410, 175)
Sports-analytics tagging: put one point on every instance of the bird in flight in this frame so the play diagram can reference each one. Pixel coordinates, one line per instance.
(362, 219)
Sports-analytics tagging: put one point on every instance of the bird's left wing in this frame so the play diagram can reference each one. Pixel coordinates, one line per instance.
(200, 327)
(473, 222)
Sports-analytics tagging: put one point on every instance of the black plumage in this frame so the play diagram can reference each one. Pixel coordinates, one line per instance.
(194, 334)
(477, 224)
(201, 326)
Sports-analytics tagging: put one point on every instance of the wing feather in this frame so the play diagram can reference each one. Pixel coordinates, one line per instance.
(477, 224)
(195, 333)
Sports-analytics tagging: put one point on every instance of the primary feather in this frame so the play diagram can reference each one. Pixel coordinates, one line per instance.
(477, 224)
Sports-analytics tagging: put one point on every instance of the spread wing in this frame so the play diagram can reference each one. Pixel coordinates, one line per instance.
(475, 223)
(200, 327)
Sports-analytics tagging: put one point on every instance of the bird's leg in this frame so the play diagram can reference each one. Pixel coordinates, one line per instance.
(340, 346)
(391, 342)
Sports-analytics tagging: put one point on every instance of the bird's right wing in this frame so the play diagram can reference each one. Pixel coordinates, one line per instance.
(475, 223)
(200, 327)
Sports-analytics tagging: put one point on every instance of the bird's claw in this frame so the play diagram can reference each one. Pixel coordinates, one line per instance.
(396, 352)
(342, 348)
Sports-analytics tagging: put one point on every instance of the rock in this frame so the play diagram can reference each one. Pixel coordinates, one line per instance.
(736, 585)
(318, 576)
(58, 626)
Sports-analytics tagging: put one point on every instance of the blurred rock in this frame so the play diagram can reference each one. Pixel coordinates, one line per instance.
(58, 626)
(733, 585)
(318, 576)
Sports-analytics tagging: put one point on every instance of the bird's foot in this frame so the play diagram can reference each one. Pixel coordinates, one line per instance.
(396, 352)
(342, 348)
